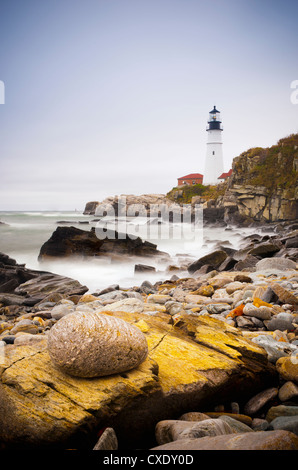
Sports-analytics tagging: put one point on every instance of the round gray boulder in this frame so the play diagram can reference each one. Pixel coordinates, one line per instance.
(94, 344)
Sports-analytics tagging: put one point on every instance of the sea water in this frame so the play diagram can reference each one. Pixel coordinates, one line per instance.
(23, 234)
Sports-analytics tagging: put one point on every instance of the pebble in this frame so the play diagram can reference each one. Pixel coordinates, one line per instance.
(256, 403)
(259, 424)
(131, 305)
(172, 430)
(288, 391)
(282, 321)
(263, 312)
(275, 349)
(158, 298)
(287, 367)
(63, 308)
(24, 326)
(287, 423)
(262, 440)
(107, 441)
(281, 410)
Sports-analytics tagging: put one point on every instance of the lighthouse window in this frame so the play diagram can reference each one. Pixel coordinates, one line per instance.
(213, 153)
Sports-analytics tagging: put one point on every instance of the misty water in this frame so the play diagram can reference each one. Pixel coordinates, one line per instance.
(23, 234)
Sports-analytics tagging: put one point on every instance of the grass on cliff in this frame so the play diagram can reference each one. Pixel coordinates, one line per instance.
(275, 168)
(187, 192)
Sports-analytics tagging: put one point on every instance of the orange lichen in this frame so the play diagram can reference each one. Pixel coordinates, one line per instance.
(236, 312)
(260, 303)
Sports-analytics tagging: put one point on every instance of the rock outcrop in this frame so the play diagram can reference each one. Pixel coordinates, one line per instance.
(124, 202)
(71, 241)
(263, 186)
(197, 361)
(23, 286)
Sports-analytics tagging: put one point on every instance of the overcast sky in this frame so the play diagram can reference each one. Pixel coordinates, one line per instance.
(106, 97)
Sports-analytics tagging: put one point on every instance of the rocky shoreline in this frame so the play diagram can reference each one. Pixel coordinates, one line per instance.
(222, 367)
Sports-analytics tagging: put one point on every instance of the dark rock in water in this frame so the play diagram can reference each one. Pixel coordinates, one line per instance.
(142, 268)
(13, 274)
(6, 260)
(264, 250)
(107, 290)
(71, 241)
(213, 259)
(213, 214)
(90, 207)
(227, 264)
(71, 222)
(27, 287)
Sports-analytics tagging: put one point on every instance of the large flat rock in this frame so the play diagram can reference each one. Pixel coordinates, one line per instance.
(198, 362)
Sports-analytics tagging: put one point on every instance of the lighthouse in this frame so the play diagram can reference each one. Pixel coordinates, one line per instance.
(214, 160)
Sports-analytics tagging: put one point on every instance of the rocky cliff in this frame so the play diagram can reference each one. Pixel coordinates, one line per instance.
(263, 186)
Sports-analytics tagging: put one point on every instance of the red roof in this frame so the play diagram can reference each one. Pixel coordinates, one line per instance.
(191, 176)
(225, 175)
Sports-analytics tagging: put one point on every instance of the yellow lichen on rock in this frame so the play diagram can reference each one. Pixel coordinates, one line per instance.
(198, 357)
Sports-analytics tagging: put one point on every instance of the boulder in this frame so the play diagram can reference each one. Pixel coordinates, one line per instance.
(13, 274)
(247, 263)
(172, 430)
(46, 284)
(144, 268)
(264, 250)
(95, 344)
(275, 263)
(214, 259)
(199, 362)
(90, 207)
(71, 241)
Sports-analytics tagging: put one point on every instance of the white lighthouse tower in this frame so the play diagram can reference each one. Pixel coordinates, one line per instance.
(214, 160)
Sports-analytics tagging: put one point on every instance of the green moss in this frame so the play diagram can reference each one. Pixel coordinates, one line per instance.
(274, 169)
(190, 191)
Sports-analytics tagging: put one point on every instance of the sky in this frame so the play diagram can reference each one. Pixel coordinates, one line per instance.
(109, 97)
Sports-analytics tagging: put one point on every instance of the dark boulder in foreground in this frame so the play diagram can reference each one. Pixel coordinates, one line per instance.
(71, 241)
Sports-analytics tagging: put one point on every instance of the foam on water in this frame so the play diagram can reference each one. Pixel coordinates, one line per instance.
(26, 232)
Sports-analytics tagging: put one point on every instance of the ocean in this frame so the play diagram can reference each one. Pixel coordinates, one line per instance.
(23, 234)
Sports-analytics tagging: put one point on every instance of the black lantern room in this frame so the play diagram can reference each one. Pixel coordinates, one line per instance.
(214, 122)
